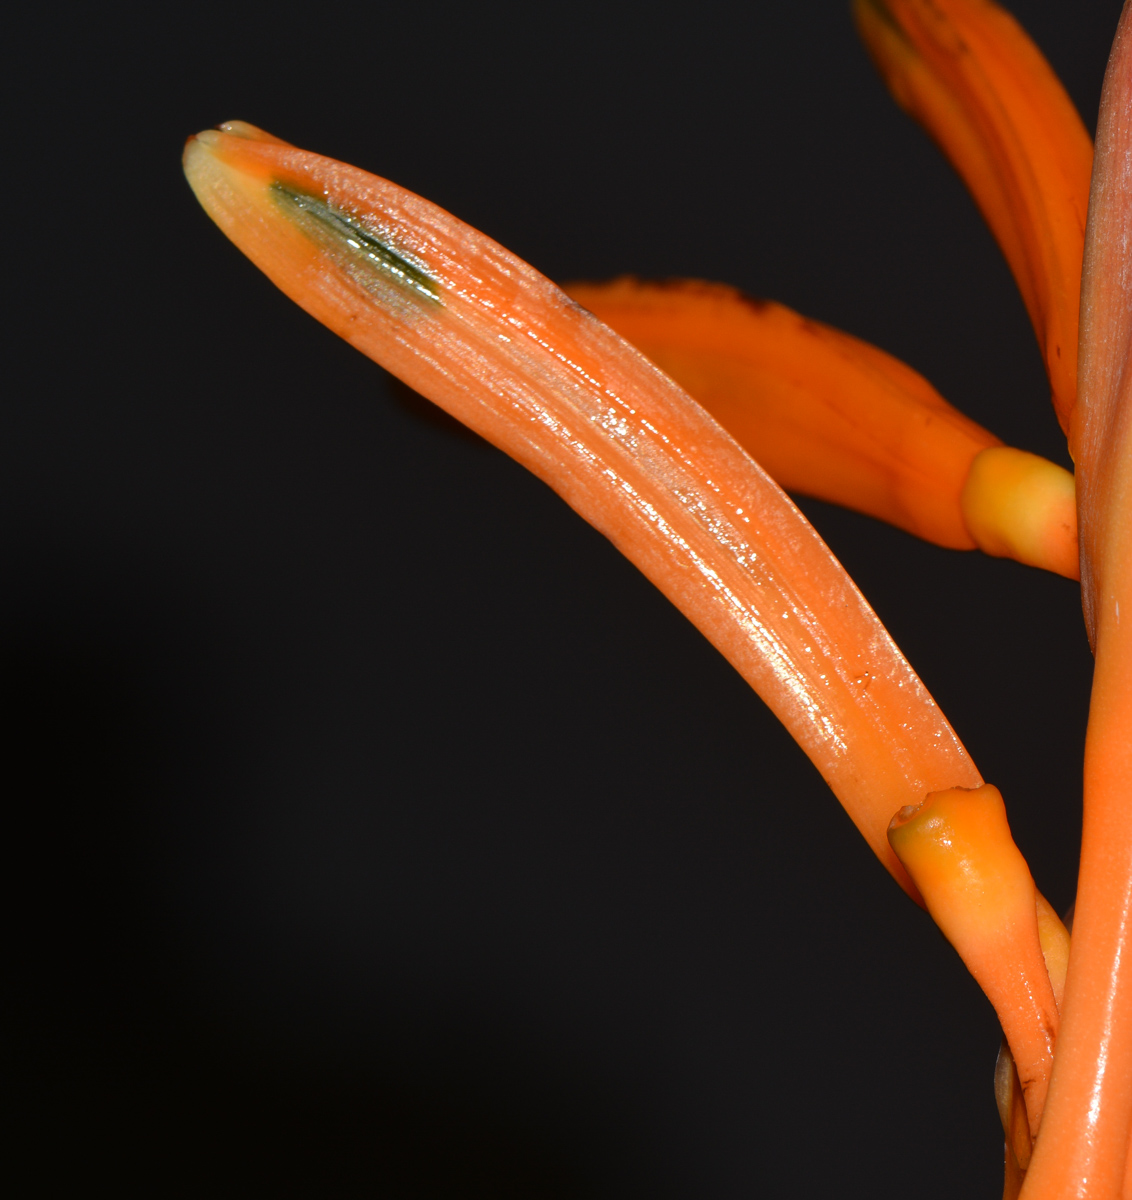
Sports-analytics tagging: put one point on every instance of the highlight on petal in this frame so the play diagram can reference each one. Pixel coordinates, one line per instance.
(967, 72)
(1088, 1124)
(831, 416)
(484, 335)
(975, 883)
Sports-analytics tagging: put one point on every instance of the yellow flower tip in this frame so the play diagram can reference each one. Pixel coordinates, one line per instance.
(1021, 506)
(209, 169)
(232, 179)
(344, 244)
(211, 150)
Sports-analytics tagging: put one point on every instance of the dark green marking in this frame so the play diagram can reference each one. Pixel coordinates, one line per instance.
(362, 248)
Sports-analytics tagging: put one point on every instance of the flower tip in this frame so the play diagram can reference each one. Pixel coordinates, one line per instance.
(1018, 505)
(211, 143)
(250, 133)
(223, 163)
(197, 151)
(201, 165)
(236, 173)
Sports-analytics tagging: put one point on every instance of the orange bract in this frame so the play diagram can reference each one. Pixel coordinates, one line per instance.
(972, 77)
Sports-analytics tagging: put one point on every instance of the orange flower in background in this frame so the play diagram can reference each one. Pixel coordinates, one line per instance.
(668, 480)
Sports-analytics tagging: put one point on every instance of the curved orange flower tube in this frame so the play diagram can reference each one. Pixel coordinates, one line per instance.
(967, 71)
(488, 338)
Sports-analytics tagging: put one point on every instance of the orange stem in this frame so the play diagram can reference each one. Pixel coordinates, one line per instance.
(1083, 1149)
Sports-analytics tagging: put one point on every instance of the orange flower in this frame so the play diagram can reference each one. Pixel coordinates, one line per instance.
(484, 335)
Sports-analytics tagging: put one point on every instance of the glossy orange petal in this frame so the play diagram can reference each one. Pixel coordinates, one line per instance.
(487, 337)
(967, 71)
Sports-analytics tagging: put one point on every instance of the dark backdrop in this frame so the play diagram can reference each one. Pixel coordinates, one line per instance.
(380, 832)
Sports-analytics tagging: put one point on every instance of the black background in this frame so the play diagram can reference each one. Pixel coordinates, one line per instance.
(379, 831)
